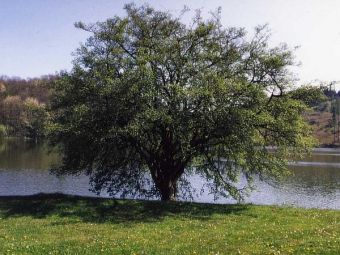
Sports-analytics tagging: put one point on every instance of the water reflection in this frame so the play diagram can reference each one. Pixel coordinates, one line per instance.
(308, 186)
(18, 154)
(23, 171)
(310, 178)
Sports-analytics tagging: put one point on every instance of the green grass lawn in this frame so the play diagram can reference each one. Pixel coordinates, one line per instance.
(58, 224)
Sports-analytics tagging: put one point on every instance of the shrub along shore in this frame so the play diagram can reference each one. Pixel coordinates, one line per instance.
(60, 224)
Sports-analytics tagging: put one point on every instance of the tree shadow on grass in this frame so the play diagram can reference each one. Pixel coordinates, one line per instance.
(101, 210)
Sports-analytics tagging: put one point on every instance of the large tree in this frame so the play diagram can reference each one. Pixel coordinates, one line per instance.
(150, 98)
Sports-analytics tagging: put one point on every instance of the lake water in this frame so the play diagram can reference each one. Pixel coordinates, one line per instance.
(315, 182)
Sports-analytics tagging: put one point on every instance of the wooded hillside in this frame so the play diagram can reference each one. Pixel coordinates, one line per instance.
(23, 106)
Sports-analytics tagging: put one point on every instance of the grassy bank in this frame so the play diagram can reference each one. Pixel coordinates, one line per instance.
(59, 224)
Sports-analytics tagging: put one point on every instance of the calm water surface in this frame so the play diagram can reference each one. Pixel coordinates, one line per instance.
(315, 181)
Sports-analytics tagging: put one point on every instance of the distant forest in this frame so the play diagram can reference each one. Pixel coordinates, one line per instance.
(23, 106)
(24, 110)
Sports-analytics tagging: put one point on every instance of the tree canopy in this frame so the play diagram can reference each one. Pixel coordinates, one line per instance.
(310, 95)
(152, 98)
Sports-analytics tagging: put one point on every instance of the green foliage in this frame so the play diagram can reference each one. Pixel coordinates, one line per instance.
(35, 119)
(22, 105)
(152, 98)
(323, 107)
(11, 112)
(73, 225)
(310, 95)
(3, 131)
(2, 89)
(328, 90)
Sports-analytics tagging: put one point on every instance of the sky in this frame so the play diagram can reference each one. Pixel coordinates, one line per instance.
(37, 37)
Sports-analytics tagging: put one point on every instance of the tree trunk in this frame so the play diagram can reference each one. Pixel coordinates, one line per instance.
(168, 190)
(166, 182)
(165, 174)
